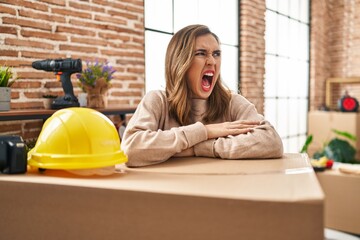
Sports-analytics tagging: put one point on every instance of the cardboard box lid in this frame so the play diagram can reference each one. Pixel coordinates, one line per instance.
(290, 163)
(288, 179)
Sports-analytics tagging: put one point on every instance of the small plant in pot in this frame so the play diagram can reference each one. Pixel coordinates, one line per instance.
(6, 80)
(335, 150)
(95, 81)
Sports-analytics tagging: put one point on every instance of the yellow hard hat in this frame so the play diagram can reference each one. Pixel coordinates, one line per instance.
(77, 138)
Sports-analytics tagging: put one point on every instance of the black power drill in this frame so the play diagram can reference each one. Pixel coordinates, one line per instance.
(63, 68)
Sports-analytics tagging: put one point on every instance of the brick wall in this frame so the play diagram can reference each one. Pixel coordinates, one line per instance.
(335, 47)
(113, 30)
(88, 29)
(252, 51)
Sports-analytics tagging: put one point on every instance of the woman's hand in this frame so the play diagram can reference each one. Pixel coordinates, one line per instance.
(230, 128)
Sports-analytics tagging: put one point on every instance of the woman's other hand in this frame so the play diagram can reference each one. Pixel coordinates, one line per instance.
(230, 128)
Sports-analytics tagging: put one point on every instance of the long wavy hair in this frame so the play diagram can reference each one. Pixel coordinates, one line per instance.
(179, 55)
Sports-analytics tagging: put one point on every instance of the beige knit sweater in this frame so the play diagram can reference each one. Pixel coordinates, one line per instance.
(152, 136)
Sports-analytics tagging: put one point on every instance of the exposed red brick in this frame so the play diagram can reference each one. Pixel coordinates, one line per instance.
(125, 15)
(110, 19)
(34, 5)
(89, 41)
(37, 15)
(135, 70)
(27, 23)
(56, 2)
(4, 9)
(37, 74)
(28, 43)
(14, 95)
(88, 24)
(87, 7)
(44, 35)
(116, 36)
(78, 48)
(8, 30)
(41, 55)
(68, 12)
(27, 105)
(10, 127)
(9, 53)
(75, 30)
(15, 63)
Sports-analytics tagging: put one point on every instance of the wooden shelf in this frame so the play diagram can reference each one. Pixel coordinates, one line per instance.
(46, 113)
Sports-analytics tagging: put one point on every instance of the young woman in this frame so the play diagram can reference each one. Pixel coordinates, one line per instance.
(196, 115)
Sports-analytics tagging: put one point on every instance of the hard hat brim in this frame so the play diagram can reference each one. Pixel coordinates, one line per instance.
(62, 161)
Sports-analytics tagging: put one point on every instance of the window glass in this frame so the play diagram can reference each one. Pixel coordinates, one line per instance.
(294, 115)
(283, 7)
(270, 111)
(158, 15)
(271, 4)
(286, 83)
(155, 67)
(283, 36)
(228, 24)
(283, 74)
(271, 32)
(304, 11)
(270, 85)
(229, 66)
(186, 12)
(294, 9)
(282, 117)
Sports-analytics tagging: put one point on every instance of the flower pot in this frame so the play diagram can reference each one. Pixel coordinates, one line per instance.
(5, 98)
(95, 100)
(97, 95)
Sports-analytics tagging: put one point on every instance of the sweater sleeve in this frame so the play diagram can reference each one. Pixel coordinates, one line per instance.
(146, 141)
(263, 142)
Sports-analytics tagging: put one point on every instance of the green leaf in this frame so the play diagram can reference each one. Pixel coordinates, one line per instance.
(306, 144)
(340, 151)
(5, 75)
(318, 155)
(345, 134)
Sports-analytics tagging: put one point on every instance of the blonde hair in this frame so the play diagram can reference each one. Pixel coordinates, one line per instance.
(179, 55)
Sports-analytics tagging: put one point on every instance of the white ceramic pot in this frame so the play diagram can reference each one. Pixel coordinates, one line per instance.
(5, 98)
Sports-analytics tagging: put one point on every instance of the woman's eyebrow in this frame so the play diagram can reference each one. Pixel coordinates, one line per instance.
(204, 50)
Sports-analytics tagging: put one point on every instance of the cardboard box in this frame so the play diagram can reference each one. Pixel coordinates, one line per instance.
(342, 198)
(321, 124)
(183, 198)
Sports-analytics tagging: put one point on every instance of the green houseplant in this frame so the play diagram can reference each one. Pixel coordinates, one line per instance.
(6, 80)
(339, 150)
(95, 81)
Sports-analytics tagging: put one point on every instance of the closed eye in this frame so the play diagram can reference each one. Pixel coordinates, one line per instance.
(216, 53)
(200, 53)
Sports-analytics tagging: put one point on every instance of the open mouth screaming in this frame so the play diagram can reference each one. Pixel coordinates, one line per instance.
(207, 80)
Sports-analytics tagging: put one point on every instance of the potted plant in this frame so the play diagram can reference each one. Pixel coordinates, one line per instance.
(335, 150)
(95, 81)
(6, 81)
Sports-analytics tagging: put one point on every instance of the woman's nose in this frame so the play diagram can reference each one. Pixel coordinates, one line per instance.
(210, 60)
